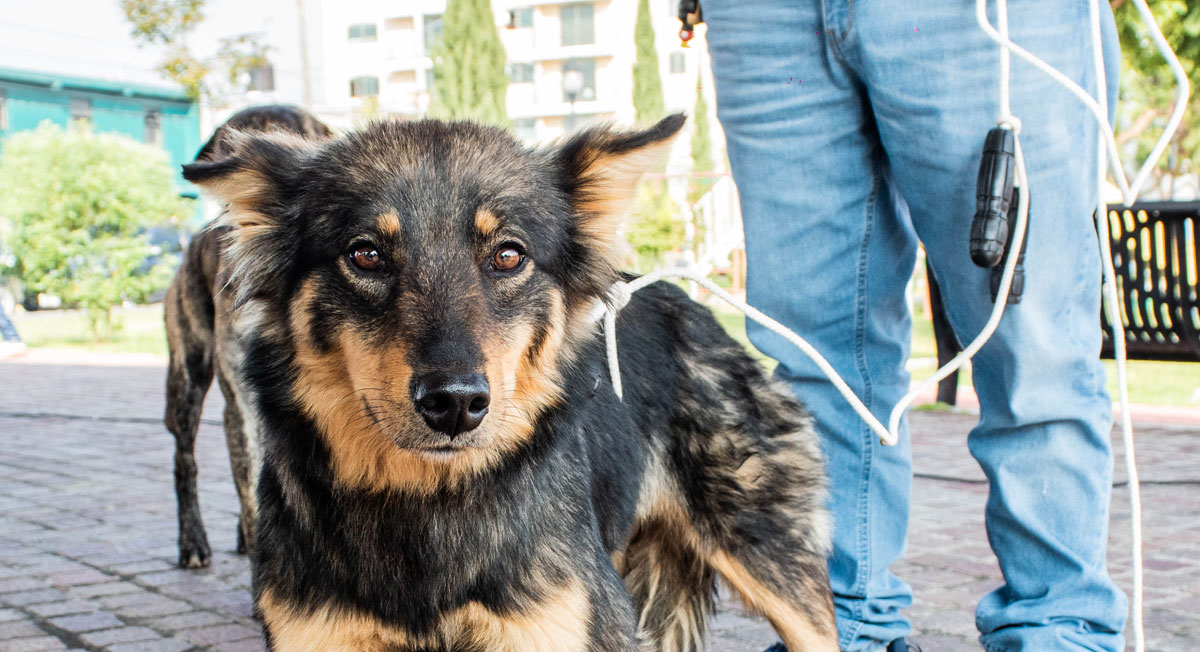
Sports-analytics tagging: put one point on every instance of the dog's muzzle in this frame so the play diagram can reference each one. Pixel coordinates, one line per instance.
(451, 403)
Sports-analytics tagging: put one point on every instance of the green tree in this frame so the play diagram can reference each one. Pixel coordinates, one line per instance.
(169, 23)
(647, 83)
(78, 205)
(1148, 87)
(470, 80)
(702, 161)
(702, 158)
(655, 227)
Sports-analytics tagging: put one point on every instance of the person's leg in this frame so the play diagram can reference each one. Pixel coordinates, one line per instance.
(829, 257)
(1043, 436)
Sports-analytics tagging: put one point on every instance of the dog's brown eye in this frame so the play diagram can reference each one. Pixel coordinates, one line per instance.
(366, 257)
(507, 258)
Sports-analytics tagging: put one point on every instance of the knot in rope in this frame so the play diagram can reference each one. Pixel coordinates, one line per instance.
(1009, 121)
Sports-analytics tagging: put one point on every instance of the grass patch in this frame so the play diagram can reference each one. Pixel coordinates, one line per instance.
(139, 330)
(1158, 383)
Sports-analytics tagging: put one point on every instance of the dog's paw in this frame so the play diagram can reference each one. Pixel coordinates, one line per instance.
(194, 554)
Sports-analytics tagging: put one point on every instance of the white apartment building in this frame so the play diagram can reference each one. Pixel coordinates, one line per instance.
(376, 58)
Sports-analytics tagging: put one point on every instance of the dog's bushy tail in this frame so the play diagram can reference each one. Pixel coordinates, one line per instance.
(673, 590)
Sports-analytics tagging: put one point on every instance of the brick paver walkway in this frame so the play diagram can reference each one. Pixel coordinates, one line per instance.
(87, 526)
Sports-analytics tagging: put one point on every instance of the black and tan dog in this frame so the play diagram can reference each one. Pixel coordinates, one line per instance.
(446, 466)
(203, 337)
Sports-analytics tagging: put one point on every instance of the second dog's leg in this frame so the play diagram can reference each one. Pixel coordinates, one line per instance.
(188, 379)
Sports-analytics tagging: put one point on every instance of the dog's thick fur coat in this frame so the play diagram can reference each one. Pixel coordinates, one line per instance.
(567, 520)
(203, 338)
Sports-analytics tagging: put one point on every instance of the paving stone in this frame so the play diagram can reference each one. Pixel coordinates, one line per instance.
(35, 644)
(10, 614)
(160, 645)
(162, 606)
(87, 622)
(218, 634)
(187, 620)
(143, 566)
(112, 587)
(119, 635)
(75, 578)
(67, 607)
(18, 629)
(248, 645)
(16, 584)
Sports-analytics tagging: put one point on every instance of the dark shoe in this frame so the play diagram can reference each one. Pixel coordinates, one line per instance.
(898, 645)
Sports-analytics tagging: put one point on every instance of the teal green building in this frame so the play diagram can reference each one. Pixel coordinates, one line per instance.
(160, 116)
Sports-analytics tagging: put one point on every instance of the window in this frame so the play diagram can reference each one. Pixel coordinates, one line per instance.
(577, 25)
(433, 32)
(522, 17)
(587, 71)
(403, 22)
(262, 78)
(364, 86)
(152, 133)
(678, 63)
(403, 77)
(525, 128)
(362, 33)
(3, 111)
(81, 109)
(520, 73)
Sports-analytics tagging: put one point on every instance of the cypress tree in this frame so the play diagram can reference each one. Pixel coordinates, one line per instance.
(470, 80)
(647, 84)
(702, 160)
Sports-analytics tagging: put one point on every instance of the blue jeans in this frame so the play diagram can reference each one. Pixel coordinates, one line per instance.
(855, 128)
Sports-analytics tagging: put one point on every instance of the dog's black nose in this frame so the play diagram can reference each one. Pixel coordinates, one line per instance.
(451, 403)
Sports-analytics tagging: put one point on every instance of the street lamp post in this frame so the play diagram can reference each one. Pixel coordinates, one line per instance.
(572, 84)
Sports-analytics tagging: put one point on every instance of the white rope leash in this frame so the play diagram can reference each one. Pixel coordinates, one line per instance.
(1113, 312)
(621, 292)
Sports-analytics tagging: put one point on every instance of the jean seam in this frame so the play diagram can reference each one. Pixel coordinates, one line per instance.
(864, 543)
(846, 639)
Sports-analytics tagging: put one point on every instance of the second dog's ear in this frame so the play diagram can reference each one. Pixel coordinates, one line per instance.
(601, 169)
(252, 179)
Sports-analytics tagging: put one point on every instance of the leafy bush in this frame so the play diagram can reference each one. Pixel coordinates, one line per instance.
(655, 227)
(78, 204)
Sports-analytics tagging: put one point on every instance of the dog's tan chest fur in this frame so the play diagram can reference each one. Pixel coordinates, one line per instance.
(559, 623)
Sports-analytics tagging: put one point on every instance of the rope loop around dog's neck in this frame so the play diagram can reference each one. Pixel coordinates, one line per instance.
(621, 292)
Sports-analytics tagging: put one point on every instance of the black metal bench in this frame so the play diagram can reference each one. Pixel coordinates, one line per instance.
(1156, 253)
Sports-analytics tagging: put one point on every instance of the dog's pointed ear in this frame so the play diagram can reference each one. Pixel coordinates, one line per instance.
(253, 174)
(248, 172)
(600, 170)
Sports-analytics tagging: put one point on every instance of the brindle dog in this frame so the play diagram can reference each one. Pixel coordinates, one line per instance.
(202, 337)
(446, 466)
